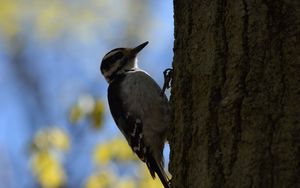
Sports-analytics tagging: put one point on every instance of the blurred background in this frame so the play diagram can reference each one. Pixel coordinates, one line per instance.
(55, 126)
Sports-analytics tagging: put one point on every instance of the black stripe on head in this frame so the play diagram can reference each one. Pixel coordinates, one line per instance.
(107, 62)
(116, 49)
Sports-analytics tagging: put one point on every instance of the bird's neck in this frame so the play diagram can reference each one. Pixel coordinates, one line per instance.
(131, 65)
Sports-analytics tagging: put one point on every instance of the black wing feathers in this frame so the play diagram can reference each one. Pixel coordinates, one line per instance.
(132, 125)
(154, 167)
(127, 123)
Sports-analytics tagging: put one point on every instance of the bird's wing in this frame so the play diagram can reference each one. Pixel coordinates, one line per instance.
(133, 102)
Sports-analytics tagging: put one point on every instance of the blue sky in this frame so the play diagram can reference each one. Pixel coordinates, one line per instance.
(39, 92)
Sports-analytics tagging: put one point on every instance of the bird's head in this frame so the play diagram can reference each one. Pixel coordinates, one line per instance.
(119, 60)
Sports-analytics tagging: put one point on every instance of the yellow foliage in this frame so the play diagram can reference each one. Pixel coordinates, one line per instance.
(147, 181)
(102, 154)
(121, 151)
(126, 183)
(59, 139)
(52, 19)
(48, 170)
(75, 114)
(97, 114)
(151, 183)
(116, 149)
(10, 14)
(41, 141)
(100, 180)
(49, 23)
(46, 167)
(88, 107)
(86, 103)
(82, 108)
(51, 138)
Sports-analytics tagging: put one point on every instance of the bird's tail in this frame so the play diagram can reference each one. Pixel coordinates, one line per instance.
(155, 167)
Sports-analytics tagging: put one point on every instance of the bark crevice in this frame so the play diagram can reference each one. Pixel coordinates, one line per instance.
(215, 154)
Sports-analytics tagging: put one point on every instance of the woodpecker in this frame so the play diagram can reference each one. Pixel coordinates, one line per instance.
(138, 108)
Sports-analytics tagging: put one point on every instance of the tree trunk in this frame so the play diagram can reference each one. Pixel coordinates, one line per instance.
(236, 94)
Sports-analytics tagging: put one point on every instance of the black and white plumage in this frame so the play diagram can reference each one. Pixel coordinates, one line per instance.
(138, 108)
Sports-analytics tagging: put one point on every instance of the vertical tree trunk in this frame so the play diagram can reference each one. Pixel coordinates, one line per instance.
(236, 94)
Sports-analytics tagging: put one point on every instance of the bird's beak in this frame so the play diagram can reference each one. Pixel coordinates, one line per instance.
(137, 49)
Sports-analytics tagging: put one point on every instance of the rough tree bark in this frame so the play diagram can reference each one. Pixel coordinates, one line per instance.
(236, 94)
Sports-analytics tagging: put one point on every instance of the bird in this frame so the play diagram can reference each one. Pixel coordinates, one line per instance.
(138, 108)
